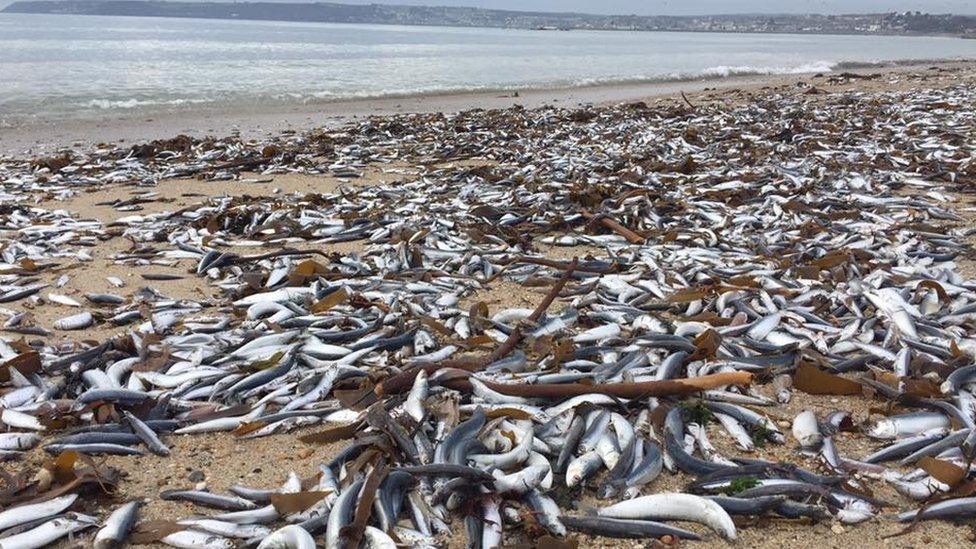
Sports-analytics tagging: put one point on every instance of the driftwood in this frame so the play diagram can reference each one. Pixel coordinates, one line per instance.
(615, 226)
(669, 387)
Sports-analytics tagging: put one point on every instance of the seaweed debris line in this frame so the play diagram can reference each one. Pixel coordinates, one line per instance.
(614, 321)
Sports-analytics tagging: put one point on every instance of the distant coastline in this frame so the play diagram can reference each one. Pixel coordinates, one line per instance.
(907, 23)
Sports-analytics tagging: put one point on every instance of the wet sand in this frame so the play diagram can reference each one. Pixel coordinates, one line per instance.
(225, 460)
(137, 127)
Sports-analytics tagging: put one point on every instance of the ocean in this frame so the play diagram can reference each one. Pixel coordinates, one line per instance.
(55, 67)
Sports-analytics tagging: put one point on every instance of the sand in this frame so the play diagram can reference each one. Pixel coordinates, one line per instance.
(169, 195)
(225, 460)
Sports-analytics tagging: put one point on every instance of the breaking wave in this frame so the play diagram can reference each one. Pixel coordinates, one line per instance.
(125, 104)
(725, 71)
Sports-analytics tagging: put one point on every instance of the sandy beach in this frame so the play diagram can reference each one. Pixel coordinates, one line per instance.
(300, 144)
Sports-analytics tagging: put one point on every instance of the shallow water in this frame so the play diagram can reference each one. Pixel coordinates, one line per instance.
(61, 66)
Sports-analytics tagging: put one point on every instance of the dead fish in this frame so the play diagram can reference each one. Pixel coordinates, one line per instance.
(685, 507)
(120, 396)
(18, 293)
(892, 427)
(117, 526)
(341, 513)
(951, 509)
(289, 537)
(105, 299)
(374, 538)
(148, 436)
(623, 528)
(227, 529)
(18, 441)
(599, 333)
(161, 276)
(806, 430)
(79, 321)
(214, 501)
(94, 449)
(192, 539)
(20, 420)
(63, 300)
(30, 512)
(49, 532)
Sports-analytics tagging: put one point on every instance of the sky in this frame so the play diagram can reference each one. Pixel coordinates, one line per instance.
(699, 7)
(687, 7)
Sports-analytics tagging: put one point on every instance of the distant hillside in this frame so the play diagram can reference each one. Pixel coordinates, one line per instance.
(321, 11)
(890, 23)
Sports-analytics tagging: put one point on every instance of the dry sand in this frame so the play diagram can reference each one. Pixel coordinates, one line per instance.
(224, 460)
(167, 196)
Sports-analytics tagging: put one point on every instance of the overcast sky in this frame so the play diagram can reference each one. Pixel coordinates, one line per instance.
(685, 7)
(697, 7)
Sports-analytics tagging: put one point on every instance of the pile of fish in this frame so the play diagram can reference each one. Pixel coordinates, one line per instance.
(716, 260)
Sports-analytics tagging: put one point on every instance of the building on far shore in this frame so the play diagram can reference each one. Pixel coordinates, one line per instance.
(913, 22)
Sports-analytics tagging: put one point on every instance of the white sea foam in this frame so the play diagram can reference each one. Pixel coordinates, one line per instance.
(122, 104)
(725, 71)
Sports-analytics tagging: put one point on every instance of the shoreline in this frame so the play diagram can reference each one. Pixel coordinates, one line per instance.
(254, 122)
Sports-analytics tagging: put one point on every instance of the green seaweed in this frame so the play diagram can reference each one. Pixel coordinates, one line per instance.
(741, 484)
(697, 412)
(760, 434)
